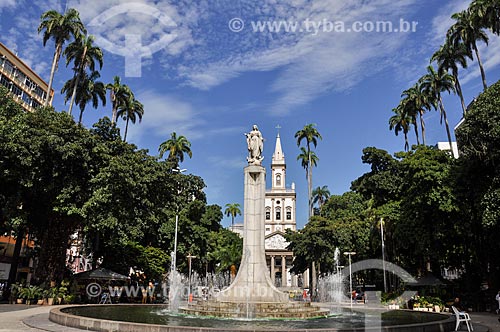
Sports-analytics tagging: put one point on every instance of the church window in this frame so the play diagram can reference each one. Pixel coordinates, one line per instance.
(278, 213)
(278, 180)
(268, 213)
(288, 213)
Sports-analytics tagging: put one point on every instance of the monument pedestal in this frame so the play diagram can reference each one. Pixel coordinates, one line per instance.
(253, 283)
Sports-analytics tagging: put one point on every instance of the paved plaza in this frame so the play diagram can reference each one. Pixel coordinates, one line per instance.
(36, 318)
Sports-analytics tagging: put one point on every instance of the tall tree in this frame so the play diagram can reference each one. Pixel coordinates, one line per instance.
(401, 121)
(176, 147)
(468, 32)
(311, 135)
(60, 28)
(88, 90)
(233, 210)
(84, 55)
(119, 94)
(417, 101)
(320, 195)
(448, 57)
(132, 110)
(434, 83)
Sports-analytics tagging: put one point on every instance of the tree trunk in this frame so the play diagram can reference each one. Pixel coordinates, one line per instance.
(459, 91)
(80, 71)
(407, 145)
(15, 256)
(77, 79)
(443, 113)
(54, 241)
(126, 130)
(422, 126)
(483, 75)
(55, 61)
(309, 182)
(114, 113)
(415, 126)
(313, 280)
(80, 117)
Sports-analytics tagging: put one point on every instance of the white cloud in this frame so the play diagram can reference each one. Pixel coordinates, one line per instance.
(7, 4)
(164, 114)
(443, 21)
(151, 20)
(309, 65)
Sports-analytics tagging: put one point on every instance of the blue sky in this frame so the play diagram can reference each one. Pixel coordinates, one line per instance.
(210, 84)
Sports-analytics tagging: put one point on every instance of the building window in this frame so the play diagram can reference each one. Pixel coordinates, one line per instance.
(16, 90)
(278, 213)
(26, 99)
(268, 213)
(278, 180)
(35, 104)
(288, 213)
(5, 82)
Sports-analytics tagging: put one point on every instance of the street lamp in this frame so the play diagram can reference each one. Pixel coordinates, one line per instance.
(350, 253)
(383, 251)
(189, 257)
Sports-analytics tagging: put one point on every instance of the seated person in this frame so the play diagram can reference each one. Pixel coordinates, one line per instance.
(457, 304)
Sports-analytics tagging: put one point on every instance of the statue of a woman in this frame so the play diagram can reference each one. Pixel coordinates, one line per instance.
(255, 143)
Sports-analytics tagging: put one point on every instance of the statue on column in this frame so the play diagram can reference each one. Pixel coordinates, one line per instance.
(255, 143)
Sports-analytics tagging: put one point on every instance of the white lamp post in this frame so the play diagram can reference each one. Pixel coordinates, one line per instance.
(350, 253)
(383, 251)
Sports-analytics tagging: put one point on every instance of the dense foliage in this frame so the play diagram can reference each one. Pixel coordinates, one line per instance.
(58, 178)
(438, 212)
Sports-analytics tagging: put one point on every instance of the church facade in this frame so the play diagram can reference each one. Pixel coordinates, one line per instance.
(280, 209)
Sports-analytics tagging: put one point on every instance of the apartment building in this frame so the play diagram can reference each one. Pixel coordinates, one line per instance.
(26, 86)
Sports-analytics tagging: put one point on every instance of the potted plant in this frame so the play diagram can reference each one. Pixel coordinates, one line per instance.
(62, 291)
(15, 291)
(51, 294)
(30, 293)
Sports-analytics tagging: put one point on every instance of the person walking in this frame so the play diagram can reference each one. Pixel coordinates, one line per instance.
(498, 300)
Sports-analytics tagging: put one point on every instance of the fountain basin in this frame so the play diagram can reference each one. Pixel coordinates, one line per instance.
(132, 318)
(225, 309)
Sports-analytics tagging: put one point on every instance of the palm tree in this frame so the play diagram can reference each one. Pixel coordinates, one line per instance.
(89, 90)
(176, 147)
(401, 121)
(448, 57)
(488, 14)
(130, 111)
(232, 210)
(119, 94)
(434, 83)
(320, 195)
(467, 31)
(410, 108)
(84, 55)
(417, 101)
(308, 159)
(60, 28)
(311, 135)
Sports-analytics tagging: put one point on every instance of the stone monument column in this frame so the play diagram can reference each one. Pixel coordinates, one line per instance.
(253, 283)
